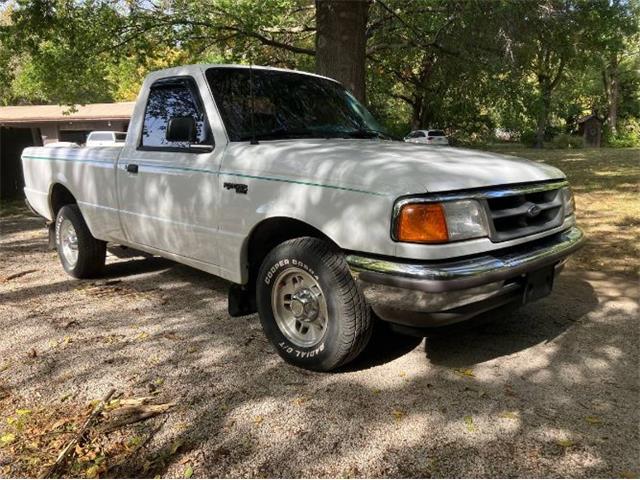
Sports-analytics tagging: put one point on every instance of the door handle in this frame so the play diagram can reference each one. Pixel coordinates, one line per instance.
(238, 187)
(132, 168)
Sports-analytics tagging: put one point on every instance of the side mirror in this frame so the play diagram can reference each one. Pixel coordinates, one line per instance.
(181, 129)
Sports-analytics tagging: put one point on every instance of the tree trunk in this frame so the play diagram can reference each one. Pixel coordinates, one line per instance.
(544, 106)
(416, 113)
(341, 42)
(613, 94)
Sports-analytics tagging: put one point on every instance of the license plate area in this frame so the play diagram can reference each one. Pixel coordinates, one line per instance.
(538, 284)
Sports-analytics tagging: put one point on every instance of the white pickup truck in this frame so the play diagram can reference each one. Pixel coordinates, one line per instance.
(282, 183)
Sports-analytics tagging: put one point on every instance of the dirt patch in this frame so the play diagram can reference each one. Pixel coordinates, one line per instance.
(548, 390)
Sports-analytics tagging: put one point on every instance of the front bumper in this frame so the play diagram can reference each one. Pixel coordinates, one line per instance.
(434, 294)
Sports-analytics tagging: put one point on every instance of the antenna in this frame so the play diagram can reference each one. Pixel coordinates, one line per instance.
(254, 140)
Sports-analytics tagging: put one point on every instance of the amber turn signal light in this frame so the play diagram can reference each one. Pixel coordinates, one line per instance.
(422, 223)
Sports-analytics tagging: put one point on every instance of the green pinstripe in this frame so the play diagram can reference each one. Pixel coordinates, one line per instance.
(210, 172)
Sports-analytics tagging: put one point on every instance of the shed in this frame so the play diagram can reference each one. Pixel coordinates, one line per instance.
(590, 127)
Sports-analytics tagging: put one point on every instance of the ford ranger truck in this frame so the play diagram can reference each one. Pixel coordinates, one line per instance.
(284, 184)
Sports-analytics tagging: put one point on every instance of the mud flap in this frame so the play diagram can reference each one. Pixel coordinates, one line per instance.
(51, 227)
(241, 301)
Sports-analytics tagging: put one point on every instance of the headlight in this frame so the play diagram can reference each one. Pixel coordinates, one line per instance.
(440, 222)
(569, 201)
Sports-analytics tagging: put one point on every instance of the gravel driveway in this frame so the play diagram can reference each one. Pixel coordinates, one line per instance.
(550, 390)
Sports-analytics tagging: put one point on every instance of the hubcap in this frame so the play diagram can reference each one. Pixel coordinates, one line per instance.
(69, 242)
(299, 307)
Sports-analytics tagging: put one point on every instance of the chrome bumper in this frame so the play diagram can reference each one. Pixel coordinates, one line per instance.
(439, 293)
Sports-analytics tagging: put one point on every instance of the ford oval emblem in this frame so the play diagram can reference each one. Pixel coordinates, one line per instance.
(533, 211)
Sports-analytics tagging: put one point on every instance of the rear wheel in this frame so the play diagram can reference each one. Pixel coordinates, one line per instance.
(309, 305)
(81, 255)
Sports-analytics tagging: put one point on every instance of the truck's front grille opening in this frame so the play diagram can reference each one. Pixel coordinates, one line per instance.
(524, 213)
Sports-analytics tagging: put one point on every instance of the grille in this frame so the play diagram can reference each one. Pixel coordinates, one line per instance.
(524, 213)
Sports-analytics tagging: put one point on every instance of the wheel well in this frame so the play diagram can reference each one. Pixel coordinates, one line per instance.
(272, 232)
(60, 196)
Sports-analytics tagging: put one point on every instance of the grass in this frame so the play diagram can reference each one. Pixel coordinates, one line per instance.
(605, 182)
(9, 208)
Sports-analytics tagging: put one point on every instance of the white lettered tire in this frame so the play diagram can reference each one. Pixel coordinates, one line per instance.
(310, 307)
(81, 255)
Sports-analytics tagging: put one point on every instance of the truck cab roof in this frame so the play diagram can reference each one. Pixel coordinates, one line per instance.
(202, 67)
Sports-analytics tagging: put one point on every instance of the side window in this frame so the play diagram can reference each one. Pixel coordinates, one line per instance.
(169, 99)
(420, 134)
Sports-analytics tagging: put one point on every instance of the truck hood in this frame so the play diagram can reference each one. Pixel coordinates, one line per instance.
(383, 167)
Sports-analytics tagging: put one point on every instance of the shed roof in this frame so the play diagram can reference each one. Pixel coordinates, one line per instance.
(56, 113)
(588, 117)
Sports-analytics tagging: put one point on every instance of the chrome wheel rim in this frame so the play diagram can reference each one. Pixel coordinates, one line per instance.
(69, 243)
(299, 307)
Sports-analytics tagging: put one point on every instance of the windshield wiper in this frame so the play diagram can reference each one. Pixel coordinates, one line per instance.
(368, 133)
(280, 134)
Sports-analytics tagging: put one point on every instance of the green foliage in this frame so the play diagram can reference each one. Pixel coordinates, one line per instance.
(467, 66)
(564, 140)
(528, 138)
(628, 135)
(575, 141)
(561, 140)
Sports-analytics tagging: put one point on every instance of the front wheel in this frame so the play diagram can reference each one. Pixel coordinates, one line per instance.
(81, 255)
(309, 305)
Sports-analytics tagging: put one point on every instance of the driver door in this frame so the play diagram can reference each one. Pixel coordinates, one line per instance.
(168, 190)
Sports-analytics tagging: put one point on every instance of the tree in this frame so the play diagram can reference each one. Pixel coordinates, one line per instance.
(341, 42)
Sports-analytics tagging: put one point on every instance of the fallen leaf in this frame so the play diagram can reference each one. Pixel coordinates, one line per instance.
(593, 420)
(376, 391)
(402, 374)
(22, 412)
(399, 414)
(468, 421)
(565, 442)
(628, 474)
(464, 372)
(6, 439)
(300, 401)
(92, 472)
(175, 446)
(509, 415)
(188, 472)
(134, 441)
(258, 420)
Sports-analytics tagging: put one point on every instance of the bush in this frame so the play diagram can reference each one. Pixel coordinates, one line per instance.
(528, 138)
(561, 140)
(564, 140)
(628, 135)
(576, 141)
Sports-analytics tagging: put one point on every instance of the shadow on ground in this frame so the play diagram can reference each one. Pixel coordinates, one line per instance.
(550, 389)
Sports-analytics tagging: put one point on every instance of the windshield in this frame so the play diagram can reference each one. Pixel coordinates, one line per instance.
(288, 105)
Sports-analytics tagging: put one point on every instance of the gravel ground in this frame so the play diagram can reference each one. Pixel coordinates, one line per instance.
(550, 390)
